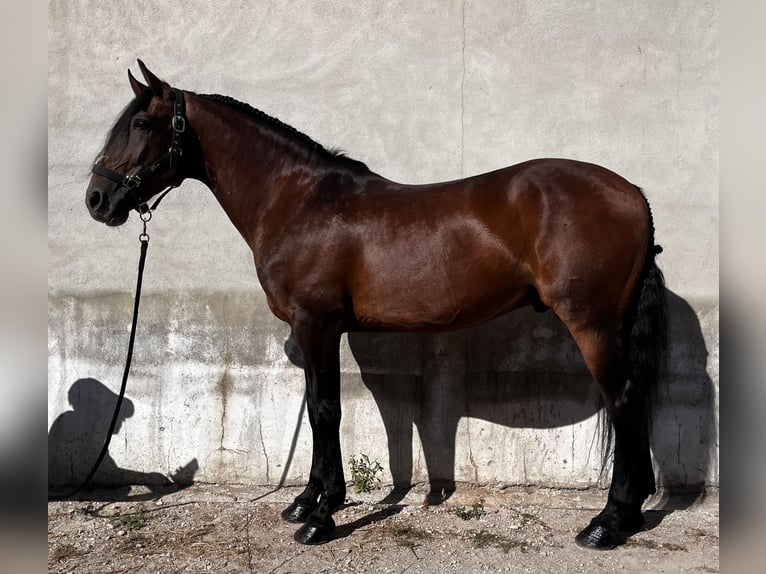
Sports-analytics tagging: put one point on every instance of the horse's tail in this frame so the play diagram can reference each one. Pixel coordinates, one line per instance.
(645, 332)
(645, 337)
(644, 340)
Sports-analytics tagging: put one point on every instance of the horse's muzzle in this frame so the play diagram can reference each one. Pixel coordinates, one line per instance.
(106, 209)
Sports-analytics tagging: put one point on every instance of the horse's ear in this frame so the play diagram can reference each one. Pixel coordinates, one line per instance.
(138, 87)
(157, 86)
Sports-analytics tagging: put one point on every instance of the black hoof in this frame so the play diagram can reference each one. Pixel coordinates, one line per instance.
(598, 537)
(311, 533)
(297, 512)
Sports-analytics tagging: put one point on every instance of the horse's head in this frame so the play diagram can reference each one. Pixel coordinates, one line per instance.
(142, 154)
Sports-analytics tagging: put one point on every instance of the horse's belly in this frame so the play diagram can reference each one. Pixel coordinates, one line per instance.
(436, 302)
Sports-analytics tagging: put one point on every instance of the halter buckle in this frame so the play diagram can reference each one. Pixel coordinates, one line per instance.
(179, 124)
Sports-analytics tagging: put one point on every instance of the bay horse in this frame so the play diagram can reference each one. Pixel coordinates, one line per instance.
(338, 248)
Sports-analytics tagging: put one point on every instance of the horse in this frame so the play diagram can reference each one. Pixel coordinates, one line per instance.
(338, 248)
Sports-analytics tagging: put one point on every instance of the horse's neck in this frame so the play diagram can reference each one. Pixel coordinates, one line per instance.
(243, 162)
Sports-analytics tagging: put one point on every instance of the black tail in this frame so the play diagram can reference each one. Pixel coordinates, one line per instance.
(645, 332)
(645, 337)
(644, 341)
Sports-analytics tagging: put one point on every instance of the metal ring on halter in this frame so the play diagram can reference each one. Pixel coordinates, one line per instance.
(146, 217)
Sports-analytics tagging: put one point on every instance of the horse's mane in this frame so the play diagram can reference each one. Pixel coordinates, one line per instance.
(331, 154)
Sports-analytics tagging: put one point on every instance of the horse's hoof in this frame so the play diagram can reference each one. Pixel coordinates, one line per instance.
(297, 512)
(311, 533)
(597, 537)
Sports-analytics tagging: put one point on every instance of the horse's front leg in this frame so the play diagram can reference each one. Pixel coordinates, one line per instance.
(319, 342)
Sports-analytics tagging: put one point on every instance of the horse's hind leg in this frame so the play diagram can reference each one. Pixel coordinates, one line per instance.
(632, 475)
(319, 342)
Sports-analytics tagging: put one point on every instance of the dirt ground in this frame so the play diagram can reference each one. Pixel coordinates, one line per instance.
(225, 529)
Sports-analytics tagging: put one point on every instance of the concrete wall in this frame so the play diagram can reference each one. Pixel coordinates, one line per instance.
(420, 91)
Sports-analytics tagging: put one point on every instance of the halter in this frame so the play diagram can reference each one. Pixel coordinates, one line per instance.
(174, 154)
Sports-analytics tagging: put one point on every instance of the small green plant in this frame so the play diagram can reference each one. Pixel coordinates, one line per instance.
(364, 473)
(132, 521)
(476, 511)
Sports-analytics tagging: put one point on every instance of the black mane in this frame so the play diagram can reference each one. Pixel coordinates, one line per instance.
(331, 154)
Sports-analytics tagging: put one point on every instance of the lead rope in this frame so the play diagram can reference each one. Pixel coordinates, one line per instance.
(143, 238)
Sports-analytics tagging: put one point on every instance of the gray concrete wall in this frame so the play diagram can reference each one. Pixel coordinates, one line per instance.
(420, 92)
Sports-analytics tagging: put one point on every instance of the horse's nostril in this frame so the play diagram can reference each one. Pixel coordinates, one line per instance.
(95, 198)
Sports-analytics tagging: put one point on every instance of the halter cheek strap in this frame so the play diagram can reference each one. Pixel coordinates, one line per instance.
(174, 154)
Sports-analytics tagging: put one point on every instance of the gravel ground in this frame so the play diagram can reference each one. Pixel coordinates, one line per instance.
(223, 529)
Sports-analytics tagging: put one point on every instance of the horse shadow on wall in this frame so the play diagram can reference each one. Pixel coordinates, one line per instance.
(523, 370)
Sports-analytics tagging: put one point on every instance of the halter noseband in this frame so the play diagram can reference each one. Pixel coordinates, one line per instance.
(174, 154)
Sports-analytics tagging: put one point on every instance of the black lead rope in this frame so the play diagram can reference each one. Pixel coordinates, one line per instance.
(144, 240)
(132, 183)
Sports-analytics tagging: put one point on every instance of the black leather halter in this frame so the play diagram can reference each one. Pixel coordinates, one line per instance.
(173, 157)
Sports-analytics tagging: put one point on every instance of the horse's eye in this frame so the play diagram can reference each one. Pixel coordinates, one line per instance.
(141, 124)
